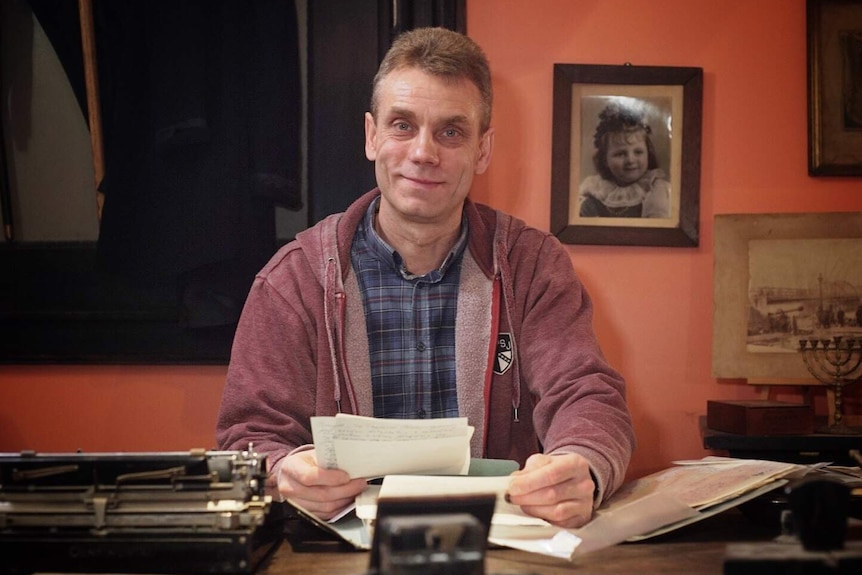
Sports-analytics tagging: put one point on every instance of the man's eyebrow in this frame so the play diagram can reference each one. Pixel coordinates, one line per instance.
(400, 113)
(458, 119)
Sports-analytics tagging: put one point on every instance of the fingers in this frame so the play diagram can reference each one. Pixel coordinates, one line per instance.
(567, 514)
(544, 471)
(557, 488)
(324, 492)
(530, 479)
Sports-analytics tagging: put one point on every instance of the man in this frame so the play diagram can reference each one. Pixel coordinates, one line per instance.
(416, 302)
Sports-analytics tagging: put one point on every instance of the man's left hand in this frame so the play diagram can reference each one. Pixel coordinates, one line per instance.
(556, 488)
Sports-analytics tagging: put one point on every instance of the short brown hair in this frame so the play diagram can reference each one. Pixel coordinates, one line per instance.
(439, 52)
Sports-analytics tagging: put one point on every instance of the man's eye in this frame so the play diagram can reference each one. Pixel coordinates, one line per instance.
(402, 126)
(451, 133)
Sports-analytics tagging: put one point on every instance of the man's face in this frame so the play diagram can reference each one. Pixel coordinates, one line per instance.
(628, 157)
(426, 145)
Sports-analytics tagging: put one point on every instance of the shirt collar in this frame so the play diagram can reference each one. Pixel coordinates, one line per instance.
(387, 253)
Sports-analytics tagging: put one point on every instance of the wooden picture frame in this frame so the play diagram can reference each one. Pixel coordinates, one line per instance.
(834, 34)
(797, 257)
(667, 99)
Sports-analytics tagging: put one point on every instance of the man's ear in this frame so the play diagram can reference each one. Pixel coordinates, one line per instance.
(370, 137)
(486, 146)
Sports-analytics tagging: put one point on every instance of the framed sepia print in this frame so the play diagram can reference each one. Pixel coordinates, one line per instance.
(625, 166)
(779, 278)
(834, 29)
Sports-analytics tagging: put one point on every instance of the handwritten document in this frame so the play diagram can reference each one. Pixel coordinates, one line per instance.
(371, 447)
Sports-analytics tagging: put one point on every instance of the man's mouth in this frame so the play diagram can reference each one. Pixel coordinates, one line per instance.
(421, 181)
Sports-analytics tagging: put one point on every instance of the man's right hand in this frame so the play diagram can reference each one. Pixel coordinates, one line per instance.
(324, 492)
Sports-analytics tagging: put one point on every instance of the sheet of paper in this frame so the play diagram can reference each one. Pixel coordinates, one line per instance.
(348, 527)
(371, 447)
(709, 511)
(603, 531)
(642, 515)
(431, 486)
(561, 544)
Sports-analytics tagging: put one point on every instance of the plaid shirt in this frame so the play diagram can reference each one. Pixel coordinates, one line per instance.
(411, 326)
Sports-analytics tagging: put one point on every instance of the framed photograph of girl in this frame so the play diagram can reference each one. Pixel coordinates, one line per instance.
(625, 167)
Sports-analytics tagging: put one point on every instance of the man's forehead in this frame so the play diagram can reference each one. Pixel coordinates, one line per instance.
(409, 88)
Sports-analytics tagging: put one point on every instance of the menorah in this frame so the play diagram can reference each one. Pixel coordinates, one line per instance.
(836, 362)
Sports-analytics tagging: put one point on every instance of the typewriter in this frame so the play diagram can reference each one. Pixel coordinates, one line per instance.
(172, 512)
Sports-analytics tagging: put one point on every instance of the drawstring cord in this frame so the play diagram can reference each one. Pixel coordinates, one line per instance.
(508, 304)
(328, 313)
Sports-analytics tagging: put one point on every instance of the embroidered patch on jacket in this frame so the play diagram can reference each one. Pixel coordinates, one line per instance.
(503, 357)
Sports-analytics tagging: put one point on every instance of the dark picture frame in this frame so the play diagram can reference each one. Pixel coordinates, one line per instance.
(834, 35)
(670, 101)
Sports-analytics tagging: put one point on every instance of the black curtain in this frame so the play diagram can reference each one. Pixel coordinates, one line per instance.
(201, 109)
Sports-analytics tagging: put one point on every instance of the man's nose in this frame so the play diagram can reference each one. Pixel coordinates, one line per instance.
(424, 148)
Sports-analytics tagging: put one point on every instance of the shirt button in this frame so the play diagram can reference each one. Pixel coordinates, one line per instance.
(420, 414)
(420, 346)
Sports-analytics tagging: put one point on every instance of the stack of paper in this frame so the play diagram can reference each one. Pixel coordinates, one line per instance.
(705, 486)
(505, 514)
(702, 483)
(370, 447)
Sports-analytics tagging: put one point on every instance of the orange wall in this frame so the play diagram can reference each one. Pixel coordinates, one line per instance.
(653, 305)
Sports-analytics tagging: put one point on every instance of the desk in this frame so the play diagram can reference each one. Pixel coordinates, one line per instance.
(693, 550)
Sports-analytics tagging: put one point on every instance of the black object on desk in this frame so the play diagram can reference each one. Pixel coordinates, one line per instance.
(164, 512)
(819, 510)
(803, 449)
(478, 506)
(446, 544)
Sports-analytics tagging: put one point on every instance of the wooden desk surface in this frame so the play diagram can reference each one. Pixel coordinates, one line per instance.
(693, 550)
(640, 558)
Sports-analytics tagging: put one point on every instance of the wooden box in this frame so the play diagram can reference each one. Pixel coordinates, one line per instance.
(759, 417)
